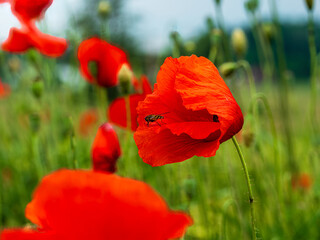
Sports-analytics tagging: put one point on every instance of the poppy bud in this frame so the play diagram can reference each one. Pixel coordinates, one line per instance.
(37, 88)
(190, 188)
(105, 149)
(248, 138)
(104, 8)
(125, 76)
(309, 4)
(268, 31)
(239, 42)
(228, 68)
(252, 5)
(190, 46)
(14, 64)
(215, 35)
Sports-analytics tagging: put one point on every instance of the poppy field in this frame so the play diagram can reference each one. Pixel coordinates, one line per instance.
(214, 138)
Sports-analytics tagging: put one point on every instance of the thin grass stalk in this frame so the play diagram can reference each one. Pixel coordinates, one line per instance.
(250, 194)
(284, 88)
(313, 70)
(246, 66)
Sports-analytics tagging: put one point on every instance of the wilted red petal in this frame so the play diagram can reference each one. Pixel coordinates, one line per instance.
(29, 9)
(117, 110)
(191, 100)
(108, 58)
(82, 205)
(105, 150)
(87, 120)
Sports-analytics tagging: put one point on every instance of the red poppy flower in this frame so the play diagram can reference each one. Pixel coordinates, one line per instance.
(87, 120)
(190, 112)
(29, 36)
(109, 60)
(4, 89)
(82, 205)
(105, 150)
(303, 181)
(117, 110)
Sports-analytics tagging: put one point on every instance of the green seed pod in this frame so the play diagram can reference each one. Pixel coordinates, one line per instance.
(37, 88)
(125, 76)
(228, 68)
(239, 42)
(104, 9)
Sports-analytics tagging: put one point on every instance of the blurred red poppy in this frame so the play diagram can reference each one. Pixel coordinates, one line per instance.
(87, 120)
(105, 149)
(82, 205)
(29, 36)
(190, 112)
(117, 110)
(4, 89)
(27, 10)
(109, 60)
(303, 181)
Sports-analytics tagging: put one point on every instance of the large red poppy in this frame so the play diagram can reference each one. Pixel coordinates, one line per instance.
(117, 110)
(109, 60)
(82, 205)
(190, 112)
(29, 36)
(105, 149)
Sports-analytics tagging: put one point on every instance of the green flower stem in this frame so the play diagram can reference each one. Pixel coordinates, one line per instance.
(313, 77)
(73, 145)
(246, 173)
(128, 112)
(263, 98)
(284, 88)
(36, 155)
(248, 70)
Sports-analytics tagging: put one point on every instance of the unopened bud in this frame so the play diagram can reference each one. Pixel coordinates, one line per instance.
(252, 5)
(228, 68)
(215, 35)
(248, 138)
(37, 88)
(239, 42)
(309, 4)
(14, 64)
(125, 76)
(190, 46)
(268, 31)
(190, 188)
(34, 119)
(104, 8)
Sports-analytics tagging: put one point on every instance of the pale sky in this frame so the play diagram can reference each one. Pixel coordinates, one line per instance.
(157, 18)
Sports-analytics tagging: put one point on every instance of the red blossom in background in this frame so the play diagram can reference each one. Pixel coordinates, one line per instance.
(198, 111)
(82, 205)
(303, 181)
(29, 36)
(105, 149)
(87, 120)
(4, 89)
(109, 60)
(117, 110)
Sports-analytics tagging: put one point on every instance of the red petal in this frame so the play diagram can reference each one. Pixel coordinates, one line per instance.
(20, 41)
(4, 89)
(87, 120)
(161, 148)
(105, 150)
(118, 113)
(91, 205)
(17, 42)
(29, 9)
(109, 60)
(27, 234)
